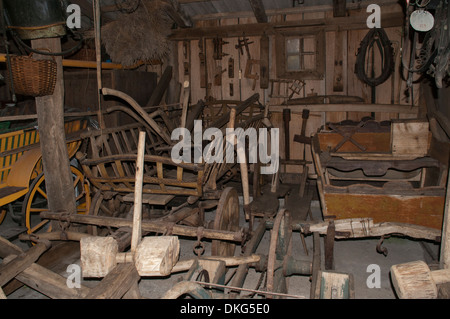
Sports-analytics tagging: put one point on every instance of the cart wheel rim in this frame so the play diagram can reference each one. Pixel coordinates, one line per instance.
(106, 204)
(2, 215)
(227, 218)
(35, 201)
(279, 247)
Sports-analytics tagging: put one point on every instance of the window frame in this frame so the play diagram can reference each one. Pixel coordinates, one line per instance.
(317, 73)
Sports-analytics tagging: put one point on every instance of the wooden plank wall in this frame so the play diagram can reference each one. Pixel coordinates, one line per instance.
(341, 45)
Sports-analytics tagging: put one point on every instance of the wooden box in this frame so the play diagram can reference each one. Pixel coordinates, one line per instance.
(394, 180)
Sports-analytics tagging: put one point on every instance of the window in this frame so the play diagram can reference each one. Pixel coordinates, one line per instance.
(300, 53)
(301, 57)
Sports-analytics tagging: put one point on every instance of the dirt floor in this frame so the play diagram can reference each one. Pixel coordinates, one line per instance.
(356, 257)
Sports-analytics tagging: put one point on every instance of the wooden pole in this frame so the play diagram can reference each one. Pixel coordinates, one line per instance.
(55, 158)
(445, 241)
(137, 215)
(149, 226)
(184, 265)
(243, 161)
(98, 54)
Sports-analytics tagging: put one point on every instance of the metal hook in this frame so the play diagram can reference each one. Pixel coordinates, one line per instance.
(382, 250)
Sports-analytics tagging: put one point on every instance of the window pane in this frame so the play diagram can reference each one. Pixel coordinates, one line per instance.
(309, 44)
(293, 63)
(309, 61)
(292, 45)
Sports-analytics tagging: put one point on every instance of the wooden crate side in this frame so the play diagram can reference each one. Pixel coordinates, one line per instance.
(410, 137)
(374, 142)
(418, 210)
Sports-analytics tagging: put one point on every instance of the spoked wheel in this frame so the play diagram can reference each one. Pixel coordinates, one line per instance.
(279, 249)
(227, 218)
(35, 201)
(106, 204)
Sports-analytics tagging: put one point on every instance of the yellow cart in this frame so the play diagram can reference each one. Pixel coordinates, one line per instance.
(21, 174)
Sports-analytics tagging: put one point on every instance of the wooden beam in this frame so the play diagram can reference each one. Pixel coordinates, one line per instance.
(282, 11)
(161, 87)
(21, 262)
(55, 159)
(38, 277)
(365, 227)
(50, 283)
(259, 11)
(378, 108)
(7, 248)
(92, 64)
(148, 226)
(117, 283)
(257, 29)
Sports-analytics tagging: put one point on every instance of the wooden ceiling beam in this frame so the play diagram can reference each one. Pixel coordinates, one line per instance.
(259, 11)
(282, 11)
(257, 29)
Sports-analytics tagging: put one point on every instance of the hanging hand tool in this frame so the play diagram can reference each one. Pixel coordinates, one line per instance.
(243, 43)
(302, 138)
(218, 48)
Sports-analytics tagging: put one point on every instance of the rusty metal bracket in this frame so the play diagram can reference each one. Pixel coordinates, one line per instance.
(199, 247)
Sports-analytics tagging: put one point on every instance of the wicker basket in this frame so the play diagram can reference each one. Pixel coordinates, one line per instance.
(33, 77)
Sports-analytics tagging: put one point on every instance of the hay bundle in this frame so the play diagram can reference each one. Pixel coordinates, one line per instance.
(140, 35)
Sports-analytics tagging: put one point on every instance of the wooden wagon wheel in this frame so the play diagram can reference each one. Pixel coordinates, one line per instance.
(279, 249)
(35, 201)
(227, 218)
(105, 204)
